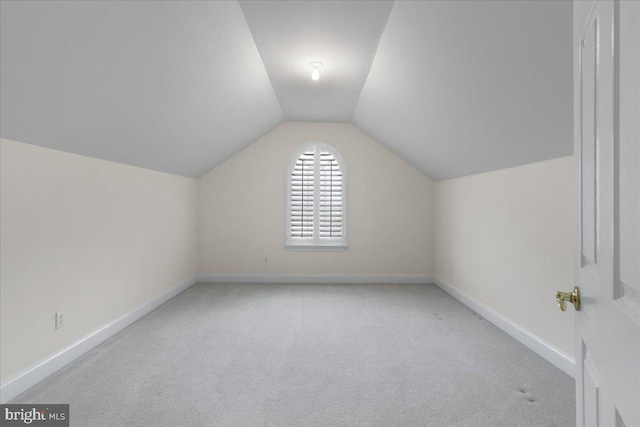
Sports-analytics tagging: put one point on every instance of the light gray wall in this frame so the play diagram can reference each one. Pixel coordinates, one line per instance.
(92, 238)
(506, 238)
(241, 209)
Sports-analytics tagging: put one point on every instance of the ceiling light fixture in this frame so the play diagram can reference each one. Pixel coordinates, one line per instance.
(315, 66)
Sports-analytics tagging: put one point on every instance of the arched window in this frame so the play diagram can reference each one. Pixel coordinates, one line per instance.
(316, 198)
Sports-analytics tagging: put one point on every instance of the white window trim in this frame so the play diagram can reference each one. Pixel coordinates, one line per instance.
(316, 243)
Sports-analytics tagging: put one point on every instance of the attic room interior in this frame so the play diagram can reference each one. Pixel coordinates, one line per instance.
(320, 213)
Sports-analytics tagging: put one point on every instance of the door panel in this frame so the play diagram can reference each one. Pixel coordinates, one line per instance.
(591, 383)
(588, 146)
(607, 149)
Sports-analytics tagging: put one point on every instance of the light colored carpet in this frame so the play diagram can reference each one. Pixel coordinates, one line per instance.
(311, 355)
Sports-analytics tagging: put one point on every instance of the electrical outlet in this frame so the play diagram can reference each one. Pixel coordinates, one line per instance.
(265, 260)
(60, 317)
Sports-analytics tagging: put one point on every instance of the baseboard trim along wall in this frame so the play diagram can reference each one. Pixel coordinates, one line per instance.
(534, 343)
(41, 370)
(289, 278)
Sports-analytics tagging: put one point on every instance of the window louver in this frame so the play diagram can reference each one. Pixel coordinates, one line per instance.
(316, 197)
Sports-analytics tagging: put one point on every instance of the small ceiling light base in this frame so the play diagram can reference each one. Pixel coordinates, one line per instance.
(315, 66)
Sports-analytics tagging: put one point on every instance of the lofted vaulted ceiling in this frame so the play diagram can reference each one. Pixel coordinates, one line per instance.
(342, 35)
(453, 87)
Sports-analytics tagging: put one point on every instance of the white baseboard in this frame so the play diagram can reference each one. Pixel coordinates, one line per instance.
(41, 370)
(534, 343)
(289, 278)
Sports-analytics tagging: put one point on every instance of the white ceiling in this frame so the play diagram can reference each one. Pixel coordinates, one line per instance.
(455, 87)
(461, 87)
(171, 86)
(343, 35)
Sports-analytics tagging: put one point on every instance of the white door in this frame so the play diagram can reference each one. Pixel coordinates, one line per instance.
(607, 148)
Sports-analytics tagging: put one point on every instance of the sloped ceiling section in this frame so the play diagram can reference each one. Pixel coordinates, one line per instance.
(172, 86)
(456, 87)
(461, 87)
(342, 35)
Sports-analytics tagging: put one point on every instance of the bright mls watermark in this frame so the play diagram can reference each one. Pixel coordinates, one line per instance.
(34, 415)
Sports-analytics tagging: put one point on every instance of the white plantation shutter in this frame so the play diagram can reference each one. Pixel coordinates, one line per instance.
(330, 216)
(316, 198)
(302, 196)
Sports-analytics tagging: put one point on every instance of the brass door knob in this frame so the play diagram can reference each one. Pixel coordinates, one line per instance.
(573, 298)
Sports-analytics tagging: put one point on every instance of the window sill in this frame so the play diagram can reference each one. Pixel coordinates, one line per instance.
(316, 248)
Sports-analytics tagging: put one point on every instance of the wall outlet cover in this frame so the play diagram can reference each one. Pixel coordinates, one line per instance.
(60, 318)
